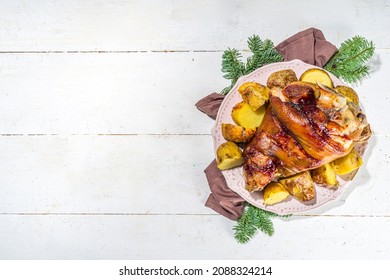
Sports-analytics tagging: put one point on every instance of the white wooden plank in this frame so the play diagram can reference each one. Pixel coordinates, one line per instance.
(181, 25)
(188, 237)
(107, 93)
(133, 93)
(105, 174)
(145, 174)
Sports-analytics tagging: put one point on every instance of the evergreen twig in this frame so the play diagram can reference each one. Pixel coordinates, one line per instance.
(252, 220)
(263, 52)
(349, 63)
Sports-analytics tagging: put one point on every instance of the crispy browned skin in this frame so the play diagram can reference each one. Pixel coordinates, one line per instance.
(295, 135)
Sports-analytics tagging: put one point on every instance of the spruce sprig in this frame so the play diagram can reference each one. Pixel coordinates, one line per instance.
(263, 52)
(349, 63)
(232, 66)
(252, 220)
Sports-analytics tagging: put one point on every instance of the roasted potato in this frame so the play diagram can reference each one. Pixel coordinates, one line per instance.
(281, 78)
(244, 116)
(325, 176)
(314, 75)
(229, 155)
(300, 186)
(349, 93)
(365, 135)
(274, 193)
(254, 94)
(236, 133)
(348, 163)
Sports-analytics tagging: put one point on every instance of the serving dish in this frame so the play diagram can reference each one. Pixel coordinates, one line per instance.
(234, 177)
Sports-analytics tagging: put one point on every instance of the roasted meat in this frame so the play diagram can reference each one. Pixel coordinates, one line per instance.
(305, 126)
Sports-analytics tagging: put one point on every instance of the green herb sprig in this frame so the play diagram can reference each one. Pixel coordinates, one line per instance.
(349, 63)
(252, 220)
(263, 52)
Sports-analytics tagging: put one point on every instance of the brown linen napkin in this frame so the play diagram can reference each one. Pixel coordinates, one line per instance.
(222, 199)
(309, 46)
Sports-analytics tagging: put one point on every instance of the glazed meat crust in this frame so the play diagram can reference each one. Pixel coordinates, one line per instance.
(300, 131)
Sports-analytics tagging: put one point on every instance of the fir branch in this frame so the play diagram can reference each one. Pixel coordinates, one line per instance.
(252, 220)
(349, 63)
(263, 52)
(232, 66)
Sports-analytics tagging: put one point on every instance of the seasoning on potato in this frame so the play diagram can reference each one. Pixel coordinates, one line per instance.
(229, 155)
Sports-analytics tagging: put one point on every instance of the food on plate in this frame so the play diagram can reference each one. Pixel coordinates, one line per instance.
(281, 78)
(348, 163)
(300, 186)
(254, 94)
(229, 155)
(325, 176)
(236, 133)
(305, 126)
(349, 93)
(244, 116)
(314, 75)
(274, 193)
(366, 134)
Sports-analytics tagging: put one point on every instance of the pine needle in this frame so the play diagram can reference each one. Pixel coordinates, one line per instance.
(232, 66)
(349, 63)
(252, 220)
(263, 52)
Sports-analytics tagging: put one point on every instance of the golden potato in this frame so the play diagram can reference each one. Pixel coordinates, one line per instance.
(274, 193)
(348, 163)
(365, 135)
(229, 155)
(244, 116)
(254, 94)
(349, 93)
(314, 75)
(236, 133)
(281, 78)
(325, 176)
(300, 186)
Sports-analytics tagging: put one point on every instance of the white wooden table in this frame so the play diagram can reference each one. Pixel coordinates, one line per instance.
(103, 150)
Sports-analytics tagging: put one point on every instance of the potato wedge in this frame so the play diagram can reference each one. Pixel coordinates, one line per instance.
(274, 193)
(348, 163)
(314, 75)
(236, 133)
(254, 94)
(281, 78)
(325, 176)
(244, 116)
(349, 93)
(229, 155)
(300, 186)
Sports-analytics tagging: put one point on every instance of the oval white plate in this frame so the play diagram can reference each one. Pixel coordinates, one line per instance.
(234, 177)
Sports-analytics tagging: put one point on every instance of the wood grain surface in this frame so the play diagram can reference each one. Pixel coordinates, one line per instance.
(103, 150)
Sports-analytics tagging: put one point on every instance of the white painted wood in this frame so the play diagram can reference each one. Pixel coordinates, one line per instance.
(102, 148)
(145, 174)
(107, 93)
(189, 237)
(181, 25)
(144, 93)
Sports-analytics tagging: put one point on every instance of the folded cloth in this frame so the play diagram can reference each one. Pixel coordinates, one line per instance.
(222, 199)
(309, 46)
(210, 104)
